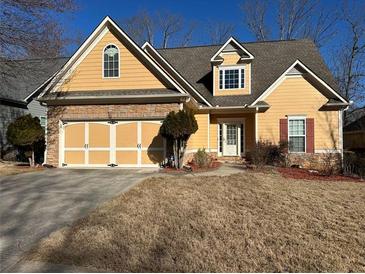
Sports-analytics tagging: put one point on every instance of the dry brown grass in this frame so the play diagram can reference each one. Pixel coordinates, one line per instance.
(249, 222)
(13, 170)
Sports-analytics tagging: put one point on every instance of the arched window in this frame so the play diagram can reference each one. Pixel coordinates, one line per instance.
(111, 61)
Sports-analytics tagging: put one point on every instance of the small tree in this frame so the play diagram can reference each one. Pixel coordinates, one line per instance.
(26, 132)
(178, 127)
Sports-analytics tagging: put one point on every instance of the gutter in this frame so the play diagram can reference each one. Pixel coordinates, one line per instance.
(153, 98)
(218, 107)
(12, 102)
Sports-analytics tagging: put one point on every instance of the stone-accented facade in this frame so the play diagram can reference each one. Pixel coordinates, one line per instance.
(317, 161)
(97, 112)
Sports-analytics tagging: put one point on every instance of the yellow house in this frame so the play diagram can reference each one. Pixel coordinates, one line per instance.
(106, 104)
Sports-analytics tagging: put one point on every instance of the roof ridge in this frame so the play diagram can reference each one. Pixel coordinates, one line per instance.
(243, 43)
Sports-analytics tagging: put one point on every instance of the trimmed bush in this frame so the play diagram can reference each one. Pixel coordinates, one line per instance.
(26, 134)
(177, 127)
(202, 159)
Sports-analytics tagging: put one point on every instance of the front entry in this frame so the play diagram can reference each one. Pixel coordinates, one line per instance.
(232, 139)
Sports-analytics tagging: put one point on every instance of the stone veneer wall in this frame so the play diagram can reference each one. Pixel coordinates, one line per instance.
(96, 112)
(317, 161)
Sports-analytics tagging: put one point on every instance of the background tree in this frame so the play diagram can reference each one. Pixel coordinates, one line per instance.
(26, 132)
(163, 26)
(294, 19)
(348, 63)
(178, 127)
(25, 24)
(219, 32)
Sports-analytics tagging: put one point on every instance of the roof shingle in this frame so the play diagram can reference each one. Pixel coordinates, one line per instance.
(271, 60)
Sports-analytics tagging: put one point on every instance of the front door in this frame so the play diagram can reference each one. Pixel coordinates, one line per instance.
(230, 139)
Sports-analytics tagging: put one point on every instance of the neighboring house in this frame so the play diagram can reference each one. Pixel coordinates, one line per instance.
(19, 82)
(106, 104)
(354, 135)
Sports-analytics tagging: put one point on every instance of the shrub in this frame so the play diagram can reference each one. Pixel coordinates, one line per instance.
(178, 127)
(353, 164)
(330, 163)
(27, 134)
(267, 153)
(202, 159)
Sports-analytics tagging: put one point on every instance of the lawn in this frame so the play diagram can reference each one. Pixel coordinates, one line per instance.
(9, 169)
(249, 222)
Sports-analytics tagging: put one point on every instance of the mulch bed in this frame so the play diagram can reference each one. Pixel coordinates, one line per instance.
(193, 168)
(299, 173)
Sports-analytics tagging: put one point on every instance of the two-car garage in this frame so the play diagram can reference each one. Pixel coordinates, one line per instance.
(111, 143)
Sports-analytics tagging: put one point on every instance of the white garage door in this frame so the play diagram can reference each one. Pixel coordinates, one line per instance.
(102, 144)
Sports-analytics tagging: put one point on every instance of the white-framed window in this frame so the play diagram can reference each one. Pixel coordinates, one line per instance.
(232, 77)
(296, 133)
(111, 61)
(43, 121)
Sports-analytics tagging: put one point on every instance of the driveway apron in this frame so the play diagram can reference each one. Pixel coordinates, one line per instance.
(32, 205)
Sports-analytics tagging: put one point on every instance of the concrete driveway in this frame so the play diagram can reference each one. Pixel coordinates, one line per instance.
(32, 205)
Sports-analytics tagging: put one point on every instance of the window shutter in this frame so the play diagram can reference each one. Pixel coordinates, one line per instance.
(284, 130)
(310, 135)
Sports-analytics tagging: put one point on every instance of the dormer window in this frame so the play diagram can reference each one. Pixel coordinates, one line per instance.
(111, 62)
(231, 77)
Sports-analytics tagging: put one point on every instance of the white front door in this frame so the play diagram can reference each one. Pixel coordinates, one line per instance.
(231, 134)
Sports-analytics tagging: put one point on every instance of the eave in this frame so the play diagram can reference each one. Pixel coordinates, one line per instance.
(114, 99)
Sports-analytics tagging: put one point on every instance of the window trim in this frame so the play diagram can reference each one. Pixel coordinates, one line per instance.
(304, 118)
(102, 59)
(239, 68)
(40, 119)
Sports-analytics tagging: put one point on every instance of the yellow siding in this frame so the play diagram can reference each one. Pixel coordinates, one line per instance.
(231, 60)
(296, 96)
(200, 138)
(133, 73)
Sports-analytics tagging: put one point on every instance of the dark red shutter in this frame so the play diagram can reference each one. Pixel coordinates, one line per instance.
(310, 135)
(284, 131)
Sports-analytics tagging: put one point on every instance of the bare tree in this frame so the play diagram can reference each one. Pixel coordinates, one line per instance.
(168, 26)
(255, 18)
(295, 19)
(293, 16)
(187, 37)
(219, 32)
(141, 27)
(349, 60)
(25, 24)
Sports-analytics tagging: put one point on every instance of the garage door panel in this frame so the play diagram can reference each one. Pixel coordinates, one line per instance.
(75, 135)
(99, 135)
(126, 157)
(152, 157)
(125, 143)
(99, 157)
(150, 135)
(126, 135)
(74, 157)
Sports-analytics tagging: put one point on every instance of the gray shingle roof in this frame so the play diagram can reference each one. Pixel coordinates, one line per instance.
(18, 79)
(271, 60)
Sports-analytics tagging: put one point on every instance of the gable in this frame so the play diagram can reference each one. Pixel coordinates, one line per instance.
(88, 75)
(296, 93)
(232, 45)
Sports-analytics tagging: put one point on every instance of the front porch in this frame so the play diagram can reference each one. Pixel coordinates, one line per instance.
(227, 136)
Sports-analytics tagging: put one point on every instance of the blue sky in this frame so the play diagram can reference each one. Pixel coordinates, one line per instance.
(91, 12)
